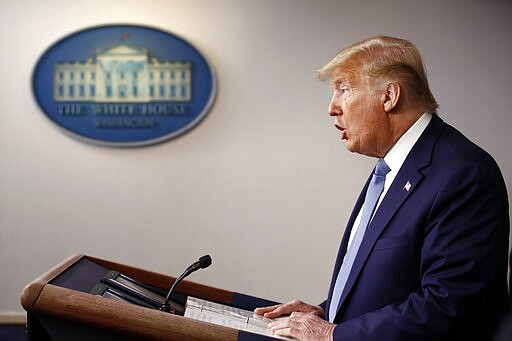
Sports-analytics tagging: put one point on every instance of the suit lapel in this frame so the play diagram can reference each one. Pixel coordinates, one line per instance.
(394, 198)
(407, 180)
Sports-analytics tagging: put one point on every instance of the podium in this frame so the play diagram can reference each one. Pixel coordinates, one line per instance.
(60, 307)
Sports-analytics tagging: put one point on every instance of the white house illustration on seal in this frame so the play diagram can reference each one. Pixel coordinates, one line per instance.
(122, 73)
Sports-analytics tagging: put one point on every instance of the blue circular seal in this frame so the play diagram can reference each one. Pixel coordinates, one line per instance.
(124, 85)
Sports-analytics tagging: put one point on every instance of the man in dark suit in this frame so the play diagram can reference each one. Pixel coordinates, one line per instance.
(424, 255)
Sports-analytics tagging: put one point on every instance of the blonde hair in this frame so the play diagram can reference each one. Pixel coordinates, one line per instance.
(389, 58)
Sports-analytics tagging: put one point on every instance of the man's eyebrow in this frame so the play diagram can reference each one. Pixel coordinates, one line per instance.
(337, 80)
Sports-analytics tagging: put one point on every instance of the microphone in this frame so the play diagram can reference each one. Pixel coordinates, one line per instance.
(202, 263)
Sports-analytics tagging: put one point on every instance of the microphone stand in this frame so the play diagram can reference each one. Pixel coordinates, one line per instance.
(202, 263)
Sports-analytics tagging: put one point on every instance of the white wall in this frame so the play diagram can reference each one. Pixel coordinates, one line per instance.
(263, 184)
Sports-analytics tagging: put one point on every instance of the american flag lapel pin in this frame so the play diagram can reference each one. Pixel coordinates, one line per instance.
(407, 186)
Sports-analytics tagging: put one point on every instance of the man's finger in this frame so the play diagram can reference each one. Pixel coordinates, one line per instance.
(263, 310)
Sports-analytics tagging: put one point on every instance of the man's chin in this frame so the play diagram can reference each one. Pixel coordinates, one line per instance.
(350, 147)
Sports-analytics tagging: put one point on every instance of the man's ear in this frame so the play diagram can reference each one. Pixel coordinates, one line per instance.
(392, 96)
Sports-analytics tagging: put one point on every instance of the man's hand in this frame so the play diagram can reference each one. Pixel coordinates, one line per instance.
(288, 308)
(305, 322)
(304, 326)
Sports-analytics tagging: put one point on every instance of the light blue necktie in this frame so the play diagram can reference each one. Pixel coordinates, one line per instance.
(373, 193)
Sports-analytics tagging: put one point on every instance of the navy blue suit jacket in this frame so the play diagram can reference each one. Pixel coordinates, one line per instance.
(433, 262)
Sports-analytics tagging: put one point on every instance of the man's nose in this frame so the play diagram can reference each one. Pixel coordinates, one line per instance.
(334, 109)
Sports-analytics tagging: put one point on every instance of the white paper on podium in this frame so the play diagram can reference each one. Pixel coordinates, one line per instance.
(224, 315)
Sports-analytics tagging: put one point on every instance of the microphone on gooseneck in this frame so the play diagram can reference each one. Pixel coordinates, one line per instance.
(202, 263)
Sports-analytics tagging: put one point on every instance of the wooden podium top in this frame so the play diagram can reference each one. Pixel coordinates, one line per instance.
(43, 297)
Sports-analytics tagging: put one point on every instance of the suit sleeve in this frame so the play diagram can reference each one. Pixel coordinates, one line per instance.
(463, 256)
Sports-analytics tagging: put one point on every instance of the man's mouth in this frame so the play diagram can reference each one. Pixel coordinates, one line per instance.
(343, 133)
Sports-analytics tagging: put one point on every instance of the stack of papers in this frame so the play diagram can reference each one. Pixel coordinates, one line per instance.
(228, 316)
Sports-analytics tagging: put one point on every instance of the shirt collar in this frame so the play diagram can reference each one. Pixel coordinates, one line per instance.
(398, 153)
